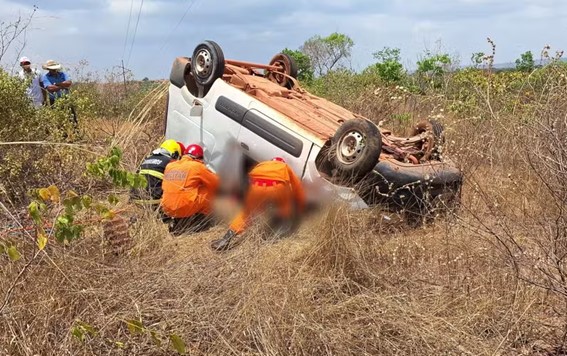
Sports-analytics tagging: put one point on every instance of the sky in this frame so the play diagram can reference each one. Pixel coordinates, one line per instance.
(102, 31)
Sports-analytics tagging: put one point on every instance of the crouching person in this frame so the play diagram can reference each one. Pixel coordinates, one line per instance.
(272, 184)
(189, 189)
(153, 168)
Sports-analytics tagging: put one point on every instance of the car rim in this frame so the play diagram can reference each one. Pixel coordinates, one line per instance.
(350, 147)
(203, 63)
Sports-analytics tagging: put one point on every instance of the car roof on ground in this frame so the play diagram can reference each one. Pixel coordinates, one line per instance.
(316, 115)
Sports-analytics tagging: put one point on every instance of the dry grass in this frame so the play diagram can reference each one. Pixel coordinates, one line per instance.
(353, 287)
(477, 282)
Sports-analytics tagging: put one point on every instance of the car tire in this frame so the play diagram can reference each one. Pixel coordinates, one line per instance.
(207, 65)
(289, 67)
(355, 149)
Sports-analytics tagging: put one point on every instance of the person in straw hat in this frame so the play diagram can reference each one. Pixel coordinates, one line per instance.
(57, 84)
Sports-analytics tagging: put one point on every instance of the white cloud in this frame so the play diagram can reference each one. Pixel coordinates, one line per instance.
(70, 30)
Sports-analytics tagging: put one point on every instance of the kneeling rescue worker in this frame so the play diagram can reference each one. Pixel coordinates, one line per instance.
(271, 183)
(188, 191)
(153, 168)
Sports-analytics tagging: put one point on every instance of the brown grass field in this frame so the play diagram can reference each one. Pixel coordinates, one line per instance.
(486, 279)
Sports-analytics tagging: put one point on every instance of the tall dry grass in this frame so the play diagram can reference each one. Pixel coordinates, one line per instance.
(487, 279)
(347, 283)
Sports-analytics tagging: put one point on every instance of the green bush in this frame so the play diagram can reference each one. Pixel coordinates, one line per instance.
(24, 162)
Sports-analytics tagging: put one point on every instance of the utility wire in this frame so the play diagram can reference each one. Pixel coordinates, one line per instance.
(135, 32)
(178, 23)
(127, 29)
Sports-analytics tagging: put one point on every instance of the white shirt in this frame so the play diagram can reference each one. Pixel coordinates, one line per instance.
(34, 90)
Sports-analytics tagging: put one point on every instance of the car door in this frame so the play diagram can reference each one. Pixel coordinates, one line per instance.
(263, 138)
(212, 121)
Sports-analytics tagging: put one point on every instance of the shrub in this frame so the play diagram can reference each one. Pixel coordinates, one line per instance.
(24, 165)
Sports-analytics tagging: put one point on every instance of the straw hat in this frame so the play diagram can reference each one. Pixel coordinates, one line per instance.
(51, 64)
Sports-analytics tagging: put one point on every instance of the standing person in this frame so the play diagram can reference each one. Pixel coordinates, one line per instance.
(188, 191)
(32, 76)
(153, 168)
(57, 84)
(271, 183)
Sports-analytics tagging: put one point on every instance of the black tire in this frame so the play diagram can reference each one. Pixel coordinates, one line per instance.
(207, 65)
(356, 148)
(289, 67)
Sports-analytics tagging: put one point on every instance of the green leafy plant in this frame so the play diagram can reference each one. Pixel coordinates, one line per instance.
(526, 62)
(109, 167)
(48, 204)
(136, 327)
(304, 69)
(388, 66)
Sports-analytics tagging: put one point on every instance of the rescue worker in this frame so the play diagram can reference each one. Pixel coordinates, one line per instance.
(272, 183)
(188, 192)
(153, 168)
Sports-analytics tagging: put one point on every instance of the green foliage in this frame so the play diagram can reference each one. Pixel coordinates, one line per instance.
(137, 327)
(108, 167)
(434, 65)
(81, 330)
(526, 62)
(403, 117)
(327, 53)
(48, 205)
(388, 66)
(178, 344)
(23, 166)
(13, 253)
(477, 58)
(431, 69)
(10, 249)
(107, 95)
(304, 69)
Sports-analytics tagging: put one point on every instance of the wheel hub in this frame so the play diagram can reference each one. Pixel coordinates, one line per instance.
(203, 63)
(350, 147)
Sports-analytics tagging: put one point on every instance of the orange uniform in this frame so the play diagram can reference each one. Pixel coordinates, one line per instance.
(270, 182)
(188, 188)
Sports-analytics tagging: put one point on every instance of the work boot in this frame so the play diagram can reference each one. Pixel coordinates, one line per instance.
(224, 243)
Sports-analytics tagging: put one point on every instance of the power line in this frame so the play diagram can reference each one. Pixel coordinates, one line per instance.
(128, 28)
(178, 23)
(135, 32)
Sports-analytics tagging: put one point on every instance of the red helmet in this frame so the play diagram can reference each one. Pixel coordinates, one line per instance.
(182, 147)
(194, 151)
(279, 159)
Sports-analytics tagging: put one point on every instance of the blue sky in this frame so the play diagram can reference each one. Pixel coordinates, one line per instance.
(95, 30)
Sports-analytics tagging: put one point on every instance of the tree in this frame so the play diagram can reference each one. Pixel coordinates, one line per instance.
(14, 34)
(432, 68)
(327, 53)
(389, 67)
(434, 65)
(304, 68)
(526, 62)
(477, 58)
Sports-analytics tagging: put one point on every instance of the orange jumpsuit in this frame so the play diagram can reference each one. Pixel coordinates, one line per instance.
(188, 188)
(270, 182)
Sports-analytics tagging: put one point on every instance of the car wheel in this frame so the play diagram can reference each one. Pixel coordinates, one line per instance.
(207, 65)
(288, 66)
(356, 148)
